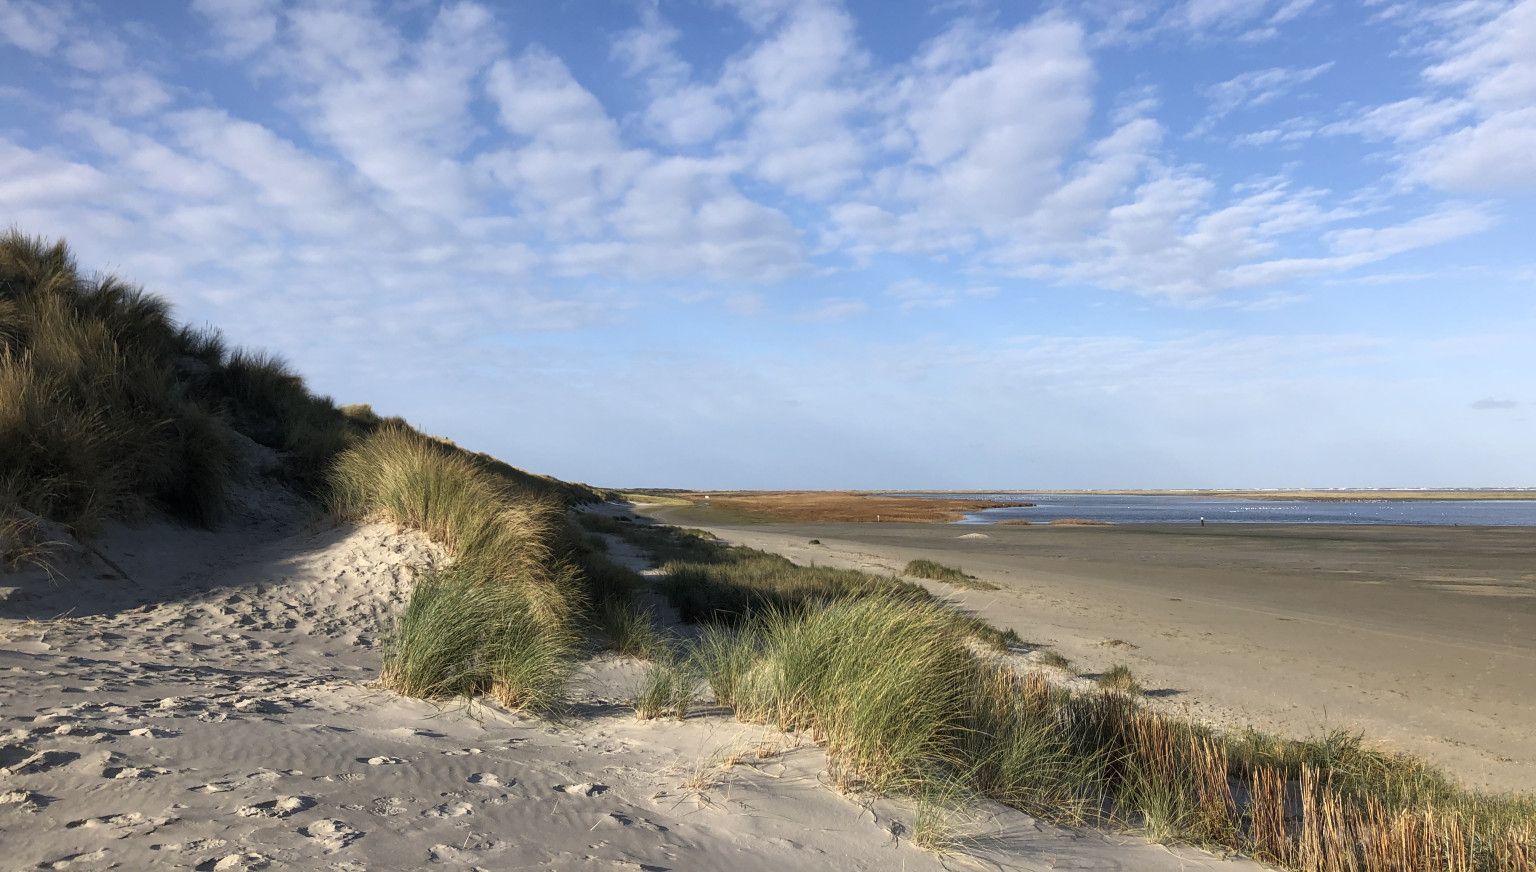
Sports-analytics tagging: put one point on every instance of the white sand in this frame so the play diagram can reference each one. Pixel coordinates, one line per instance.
(213, 710)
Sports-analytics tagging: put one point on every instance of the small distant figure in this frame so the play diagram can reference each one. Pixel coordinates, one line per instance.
(1202, 521)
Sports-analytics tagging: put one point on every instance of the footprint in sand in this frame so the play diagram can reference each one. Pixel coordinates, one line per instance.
(76, 861)
(449, 809)
(194, 846)
(583, 789)
(23, 801)
(624, 820)
(490, 779)
(278, 808)
(381, 761)
(127, 819)
(469, 851)
(123, 772)
(333, 834)
(42, 761)
(386, 806)
(152, 733)
(245, 862)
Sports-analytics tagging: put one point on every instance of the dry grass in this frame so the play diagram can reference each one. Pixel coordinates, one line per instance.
(645, 499)
(848, 506)
(947, 574)
(1079, 522)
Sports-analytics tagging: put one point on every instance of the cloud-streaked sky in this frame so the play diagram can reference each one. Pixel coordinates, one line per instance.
(769, 243)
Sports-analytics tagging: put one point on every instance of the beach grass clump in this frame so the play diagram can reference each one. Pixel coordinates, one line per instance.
(1056, 660)
(631, 630)
(1119, 678)
(462, 637)
(109, 408)
(707, 580)
(505, 619)
(666, 689)
(95, 420)
(879, 681)
(948, 574)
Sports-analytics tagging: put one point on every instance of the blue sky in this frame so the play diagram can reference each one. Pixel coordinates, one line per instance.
(769, 243)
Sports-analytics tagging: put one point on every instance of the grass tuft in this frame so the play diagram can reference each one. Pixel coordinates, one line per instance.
(1055, 659)
(667, 690)
(504, 619)
(631, 630)
(1120, 678)
(947, 574)
(461, 637)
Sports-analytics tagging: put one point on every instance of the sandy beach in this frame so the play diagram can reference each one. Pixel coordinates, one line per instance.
(1424, 638)
(185, 699)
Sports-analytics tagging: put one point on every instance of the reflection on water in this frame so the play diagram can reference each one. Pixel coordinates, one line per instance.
(1118, 509)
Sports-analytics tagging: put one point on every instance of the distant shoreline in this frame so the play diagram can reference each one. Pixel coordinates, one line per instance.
(675, 495)
(1317, 495)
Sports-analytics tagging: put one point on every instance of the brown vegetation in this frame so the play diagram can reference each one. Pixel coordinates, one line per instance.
(854, 506)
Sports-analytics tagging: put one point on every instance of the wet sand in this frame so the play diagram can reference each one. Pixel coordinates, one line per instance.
(1424, 638)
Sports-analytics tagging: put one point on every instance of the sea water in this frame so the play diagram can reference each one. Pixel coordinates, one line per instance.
(1168, 509)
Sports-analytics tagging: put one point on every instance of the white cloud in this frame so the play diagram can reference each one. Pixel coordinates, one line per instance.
(1249, 19)
(796, 85)
(833, 309)
(29, 178)
(913, 294)
(242, 26)
(31, 26)
(680, 111)
(991, 125)
(1258, 87)
(1474, 129)
(1496, 66)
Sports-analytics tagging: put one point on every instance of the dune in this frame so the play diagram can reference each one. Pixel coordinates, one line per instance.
(182, 698)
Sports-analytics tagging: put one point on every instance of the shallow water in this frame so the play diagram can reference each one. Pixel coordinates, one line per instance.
(1120, 509)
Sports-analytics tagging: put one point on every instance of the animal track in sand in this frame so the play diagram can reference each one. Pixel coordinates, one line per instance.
(278, 808)
(333, 834)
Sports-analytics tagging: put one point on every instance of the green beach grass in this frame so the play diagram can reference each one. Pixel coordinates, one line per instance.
(905, 702)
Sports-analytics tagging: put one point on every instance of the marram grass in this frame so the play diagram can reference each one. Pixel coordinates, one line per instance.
(948, 574)
(503, 620)
(890, 683)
